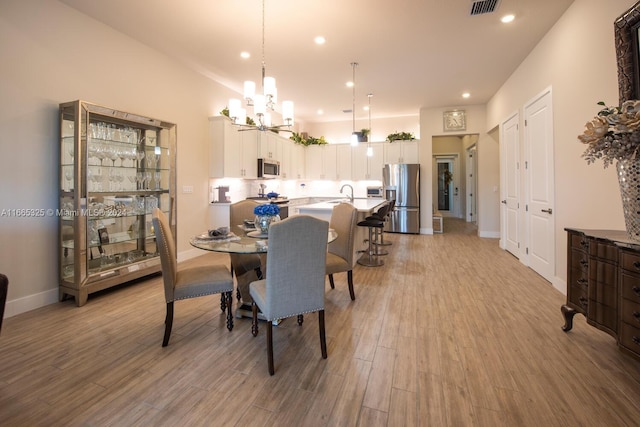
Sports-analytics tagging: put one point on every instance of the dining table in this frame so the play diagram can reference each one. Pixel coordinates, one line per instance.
(242, 240)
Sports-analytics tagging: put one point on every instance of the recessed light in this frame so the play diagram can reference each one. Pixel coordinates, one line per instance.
(349, 84)
(507, 18)
(320, 40)
(245, 55)
(466, 95)
(320, 112)
(365, 108)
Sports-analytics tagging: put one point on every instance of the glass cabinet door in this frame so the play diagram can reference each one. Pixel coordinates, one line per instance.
(115, 169)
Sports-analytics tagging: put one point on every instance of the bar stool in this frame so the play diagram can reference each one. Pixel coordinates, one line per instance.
(380, 215)
(392, 205)
(370, 259)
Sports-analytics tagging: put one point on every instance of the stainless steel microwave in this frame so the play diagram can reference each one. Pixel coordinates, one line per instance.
(268, 168)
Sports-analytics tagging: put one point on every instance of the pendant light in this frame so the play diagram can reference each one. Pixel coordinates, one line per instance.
(369, 148)
(354, 135)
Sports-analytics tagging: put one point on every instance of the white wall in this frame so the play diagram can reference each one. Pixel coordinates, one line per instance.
(339, 132)
(577, 59)
(488, 166)
(52, 54)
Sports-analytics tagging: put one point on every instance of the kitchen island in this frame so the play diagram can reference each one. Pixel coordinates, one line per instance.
(365, 208)
(322, 210)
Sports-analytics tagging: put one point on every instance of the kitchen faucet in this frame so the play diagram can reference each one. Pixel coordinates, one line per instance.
(348, 185)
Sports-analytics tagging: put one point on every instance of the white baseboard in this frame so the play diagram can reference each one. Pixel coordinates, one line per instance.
(426, 231)
(489, 234)
(30, 302)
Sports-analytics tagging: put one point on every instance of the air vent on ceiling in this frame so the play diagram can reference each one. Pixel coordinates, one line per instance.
(478, 7)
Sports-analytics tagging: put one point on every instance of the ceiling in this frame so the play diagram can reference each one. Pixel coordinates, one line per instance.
(412, 54)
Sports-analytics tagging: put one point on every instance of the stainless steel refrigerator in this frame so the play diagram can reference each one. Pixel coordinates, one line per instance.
(401, 182)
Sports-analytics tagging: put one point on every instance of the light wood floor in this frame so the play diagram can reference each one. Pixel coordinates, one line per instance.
(452, 331)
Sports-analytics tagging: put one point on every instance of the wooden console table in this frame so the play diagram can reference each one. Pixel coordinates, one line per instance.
(603, 283)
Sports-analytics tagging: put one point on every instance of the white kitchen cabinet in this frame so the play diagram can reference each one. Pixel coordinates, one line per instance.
(343, 162)
(321, 162)
(297, 161)
(269, 146)
(401, 152)
(365, 167)
(232, 154)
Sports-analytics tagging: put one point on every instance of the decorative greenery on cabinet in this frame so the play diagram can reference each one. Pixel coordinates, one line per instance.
(400, 136)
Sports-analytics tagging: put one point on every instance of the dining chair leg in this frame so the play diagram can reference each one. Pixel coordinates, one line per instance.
(254, 322)
(168, 323)
(333, 286)
(350, 280)
(300, 319)
(270, 347)
(323, 338)
(229, 298)
(223, 302)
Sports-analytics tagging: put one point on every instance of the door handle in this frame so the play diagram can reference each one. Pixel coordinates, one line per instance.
(549, 211)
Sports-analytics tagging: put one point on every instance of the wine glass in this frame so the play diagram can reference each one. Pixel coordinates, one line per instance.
(147, 176)
(157, 176)
(140, 179)
(112, 153)
(139, 157)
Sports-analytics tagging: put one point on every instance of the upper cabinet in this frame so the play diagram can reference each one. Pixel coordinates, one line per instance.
(401, 152)
(343, 162)
(270, 145)
(321, 162)
(367, 167)
(232, 154)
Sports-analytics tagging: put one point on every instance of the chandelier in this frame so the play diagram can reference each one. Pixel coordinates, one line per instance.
(262, 103)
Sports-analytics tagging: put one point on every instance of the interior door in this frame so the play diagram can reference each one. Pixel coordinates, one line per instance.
(540, 185)
(510, 141)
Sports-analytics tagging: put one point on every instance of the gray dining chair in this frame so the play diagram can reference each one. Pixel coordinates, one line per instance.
(341, 256)
(191, 282)
(294, 284)
(246, 267)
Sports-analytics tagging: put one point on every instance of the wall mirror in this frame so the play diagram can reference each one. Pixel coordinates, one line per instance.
(627, 33)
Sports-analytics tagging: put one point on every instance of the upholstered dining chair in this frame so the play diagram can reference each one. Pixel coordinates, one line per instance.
(341, 256)
(295, 276)
(246, 267)
(189, 282)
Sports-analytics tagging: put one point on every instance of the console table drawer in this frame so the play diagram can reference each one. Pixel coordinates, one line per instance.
(630, 285)
(631, 313)
(630, 261)
(630, 338)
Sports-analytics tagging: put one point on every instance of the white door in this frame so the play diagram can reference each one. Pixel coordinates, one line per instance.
(510, 141)
(471, 184)
(538, 143)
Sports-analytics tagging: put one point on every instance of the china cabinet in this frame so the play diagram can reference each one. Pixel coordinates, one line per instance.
(603, 284)
(115, 168)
